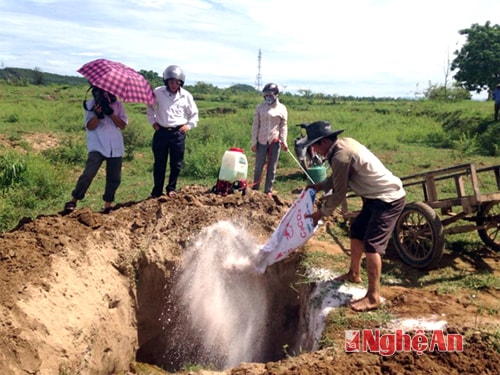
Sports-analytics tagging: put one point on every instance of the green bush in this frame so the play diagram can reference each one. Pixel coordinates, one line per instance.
(71, 152)
(33, 187)
(134, 138)
(488, 142)
(443, 93)
(471, 134)
(202, 163)
(41, 180)
(466, 144)
(12, 118)
(9, 215)
(12, 168)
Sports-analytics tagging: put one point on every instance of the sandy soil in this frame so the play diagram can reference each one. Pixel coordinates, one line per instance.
(69, 292)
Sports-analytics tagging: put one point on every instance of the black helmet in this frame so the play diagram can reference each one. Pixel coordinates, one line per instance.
(271, 88)
(174, 71)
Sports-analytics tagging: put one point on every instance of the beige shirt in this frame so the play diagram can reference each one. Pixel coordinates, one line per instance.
(270, 123)
(356, 168)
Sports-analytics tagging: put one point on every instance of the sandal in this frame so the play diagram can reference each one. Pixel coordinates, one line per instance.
(107, 210)
(172, 194)
(69, 207)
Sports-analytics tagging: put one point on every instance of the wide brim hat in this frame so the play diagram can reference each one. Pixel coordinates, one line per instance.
(318, 130)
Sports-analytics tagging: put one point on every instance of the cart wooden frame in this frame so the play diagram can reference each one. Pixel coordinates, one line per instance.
(453, 200)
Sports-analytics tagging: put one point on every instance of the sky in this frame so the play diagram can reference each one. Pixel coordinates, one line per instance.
(363, 48)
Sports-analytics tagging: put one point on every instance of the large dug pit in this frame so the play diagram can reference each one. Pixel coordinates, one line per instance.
(170, 282)
(213, 309)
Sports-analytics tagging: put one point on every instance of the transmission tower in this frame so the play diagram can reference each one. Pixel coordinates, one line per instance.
(258, 79)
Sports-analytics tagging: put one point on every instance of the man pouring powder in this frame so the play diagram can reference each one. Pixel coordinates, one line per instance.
(356, 168)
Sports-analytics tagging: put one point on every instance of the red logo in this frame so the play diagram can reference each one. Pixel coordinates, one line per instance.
(288, 231)
(352, 341)
(387, 344)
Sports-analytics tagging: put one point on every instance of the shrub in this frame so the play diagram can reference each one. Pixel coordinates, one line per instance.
(71, 152)
(488, 141)
(38, 185)
(12, 168)
(203, 163)
(134, 138)
(12, 118)
(8, 216)
(443, 93)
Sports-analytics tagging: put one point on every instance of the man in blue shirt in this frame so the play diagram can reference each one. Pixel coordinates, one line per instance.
(496, 98)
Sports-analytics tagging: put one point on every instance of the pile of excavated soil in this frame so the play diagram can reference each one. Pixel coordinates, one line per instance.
(71, 300)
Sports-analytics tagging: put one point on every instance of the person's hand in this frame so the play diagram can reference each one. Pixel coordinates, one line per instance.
(98, 111)
(254, 148)
(184, 129)
(315, 216)
(284, 147)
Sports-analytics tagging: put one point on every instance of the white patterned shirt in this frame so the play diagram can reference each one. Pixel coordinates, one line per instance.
(106, 138)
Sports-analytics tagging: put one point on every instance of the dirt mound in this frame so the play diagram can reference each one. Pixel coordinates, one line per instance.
(72, 299)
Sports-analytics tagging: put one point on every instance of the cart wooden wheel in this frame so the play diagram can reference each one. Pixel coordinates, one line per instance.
(418, 236)
(489, 215)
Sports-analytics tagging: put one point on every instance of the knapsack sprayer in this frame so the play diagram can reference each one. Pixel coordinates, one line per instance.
(232, 173)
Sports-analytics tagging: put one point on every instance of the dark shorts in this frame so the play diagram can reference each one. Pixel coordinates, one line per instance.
(375, 223)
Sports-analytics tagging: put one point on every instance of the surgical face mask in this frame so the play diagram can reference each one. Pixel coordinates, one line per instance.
(269, 99)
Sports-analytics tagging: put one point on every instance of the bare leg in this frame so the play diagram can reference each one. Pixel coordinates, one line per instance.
(371, 300)
(354, 274)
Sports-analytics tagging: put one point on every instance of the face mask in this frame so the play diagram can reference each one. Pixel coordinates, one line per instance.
(269, 99)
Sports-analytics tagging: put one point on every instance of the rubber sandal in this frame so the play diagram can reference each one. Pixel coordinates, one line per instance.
(172, 194)
(69, 207)
(107, 210)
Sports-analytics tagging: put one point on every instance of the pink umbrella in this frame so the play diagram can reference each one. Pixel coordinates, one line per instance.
(119, 80)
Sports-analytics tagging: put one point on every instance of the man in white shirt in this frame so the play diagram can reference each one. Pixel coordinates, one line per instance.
(172, 115)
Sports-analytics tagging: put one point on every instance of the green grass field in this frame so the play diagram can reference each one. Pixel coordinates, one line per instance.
(42, 142)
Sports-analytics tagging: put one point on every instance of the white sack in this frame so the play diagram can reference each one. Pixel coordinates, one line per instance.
(292, 232)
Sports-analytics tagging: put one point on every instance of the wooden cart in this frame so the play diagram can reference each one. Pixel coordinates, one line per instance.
(452, 200)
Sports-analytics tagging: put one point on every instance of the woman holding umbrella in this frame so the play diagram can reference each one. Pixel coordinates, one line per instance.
(105, 119)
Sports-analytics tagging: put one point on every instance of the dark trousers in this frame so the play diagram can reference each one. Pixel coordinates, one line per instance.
(113, 176)
(167, 143)
(497, 109)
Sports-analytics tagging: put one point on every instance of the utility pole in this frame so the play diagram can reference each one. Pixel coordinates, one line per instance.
(258, 79)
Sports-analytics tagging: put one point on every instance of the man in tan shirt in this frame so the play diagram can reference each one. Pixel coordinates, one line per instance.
(269, 135)
(356, 168)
